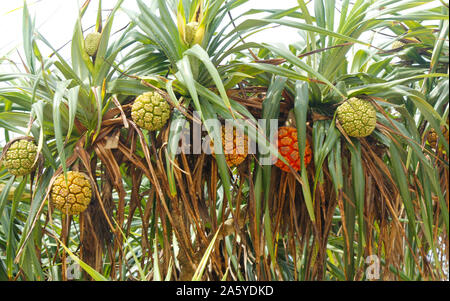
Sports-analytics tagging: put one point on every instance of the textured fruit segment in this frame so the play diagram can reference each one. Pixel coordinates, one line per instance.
(150, 111)
(357, 117)
(20, 157)
(433, 137)
(91, 43)
(288, 148)
(397, 44)
(235, 146)
(71, 197)
(191, 30)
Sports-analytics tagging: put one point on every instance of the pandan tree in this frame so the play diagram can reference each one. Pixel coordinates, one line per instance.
(335, 167)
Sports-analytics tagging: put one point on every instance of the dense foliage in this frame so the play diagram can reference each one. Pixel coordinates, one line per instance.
(379, 199)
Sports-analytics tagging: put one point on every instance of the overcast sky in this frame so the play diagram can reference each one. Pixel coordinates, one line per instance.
(55, 19)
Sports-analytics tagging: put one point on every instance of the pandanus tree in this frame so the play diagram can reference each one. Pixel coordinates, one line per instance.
(358, 171)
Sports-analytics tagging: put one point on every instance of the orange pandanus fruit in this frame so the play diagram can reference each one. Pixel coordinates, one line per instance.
(235, 146)
(288, 148)
(433, 138)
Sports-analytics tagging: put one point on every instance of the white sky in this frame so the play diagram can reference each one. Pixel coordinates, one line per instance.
(55, 19)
